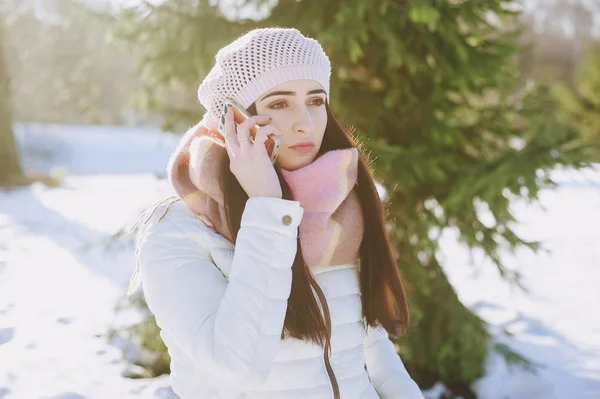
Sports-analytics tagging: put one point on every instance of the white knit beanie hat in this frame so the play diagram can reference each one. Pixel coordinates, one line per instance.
(255, 63)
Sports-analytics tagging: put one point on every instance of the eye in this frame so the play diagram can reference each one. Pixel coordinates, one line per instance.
(277, 105)
(318, 102)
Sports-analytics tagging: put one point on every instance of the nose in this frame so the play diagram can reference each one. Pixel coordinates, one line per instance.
(304, 123)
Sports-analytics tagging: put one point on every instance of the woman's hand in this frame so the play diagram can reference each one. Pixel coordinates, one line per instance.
(250, 162)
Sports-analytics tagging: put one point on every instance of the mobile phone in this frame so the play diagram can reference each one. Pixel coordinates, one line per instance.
(240, 115)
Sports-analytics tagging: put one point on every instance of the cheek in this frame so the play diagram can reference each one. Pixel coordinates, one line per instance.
(321, 123)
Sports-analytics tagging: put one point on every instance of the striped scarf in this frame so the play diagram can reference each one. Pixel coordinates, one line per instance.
(332, 227)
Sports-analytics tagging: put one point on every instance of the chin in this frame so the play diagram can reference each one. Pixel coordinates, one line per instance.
(297, 163)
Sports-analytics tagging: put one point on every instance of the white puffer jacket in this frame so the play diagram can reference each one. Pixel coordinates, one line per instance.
(221, 312)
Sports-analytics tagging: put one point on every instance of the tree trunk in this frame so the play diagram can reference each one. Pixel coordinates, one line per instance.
(10, 168)
(447, 341)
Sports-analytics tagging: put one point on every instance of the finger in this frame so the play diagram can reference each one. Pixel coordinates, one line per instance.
(244, 127)
(229, 132)
(262, 136)
(263, 132)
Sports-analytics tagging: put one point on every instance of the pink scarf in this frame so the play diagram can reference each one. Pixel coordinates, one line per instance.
(331, 230)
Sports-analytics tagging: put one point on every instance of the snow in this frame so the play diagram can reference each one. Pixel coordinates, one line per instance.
(553, 325)
(58, 284)
(62, 274)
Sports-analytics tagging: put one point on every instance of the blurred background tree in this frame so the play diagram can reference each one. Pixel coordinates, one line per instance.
(10, 167)
(433, 89)
(554, 36)
(65, 66)
(559, 47)
(580, 100)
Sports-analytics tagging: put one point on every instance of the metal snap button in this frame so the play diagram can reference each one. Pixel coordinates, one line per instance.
(286, 220)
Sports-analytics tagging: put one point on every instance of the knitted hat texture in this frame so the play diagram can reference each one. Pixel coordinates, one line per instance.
(255, 63)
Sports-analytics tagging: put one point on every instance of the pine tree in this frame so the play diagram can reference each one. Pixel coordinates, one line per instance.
(432, 89)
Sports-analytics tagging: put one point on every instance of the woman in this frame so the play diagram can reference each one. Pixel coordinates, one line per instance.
(274, 280)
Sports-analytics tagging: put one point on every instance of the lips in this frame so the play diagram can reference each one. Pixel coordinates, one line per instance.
(303, 144)
(304, 147)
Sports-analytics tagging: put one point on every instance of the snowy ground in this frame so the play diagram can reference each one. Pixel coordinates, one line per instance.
(61, 276)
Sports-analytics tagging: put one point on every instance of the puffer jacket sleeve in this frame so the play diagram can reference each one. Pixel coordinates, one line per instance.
(385, 368)
(232, 328)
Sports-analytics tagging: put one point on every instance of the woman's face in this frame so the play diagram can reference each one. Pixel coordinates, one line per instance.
(297, 109)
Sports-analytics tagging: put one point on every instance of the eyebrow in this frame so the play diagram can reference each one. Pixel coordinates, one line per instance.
(291, 93)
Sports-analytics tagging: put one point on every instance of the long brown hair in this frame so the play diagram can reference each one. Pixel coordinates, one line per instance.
(383, 298)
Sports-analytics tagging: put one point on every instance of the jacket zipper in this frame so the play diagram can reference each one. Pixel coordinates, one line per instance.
(334, 384)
